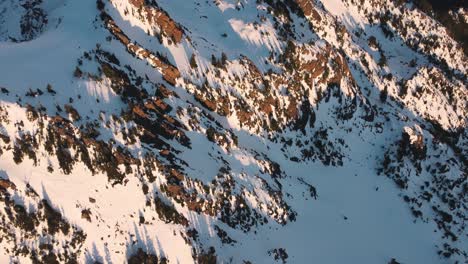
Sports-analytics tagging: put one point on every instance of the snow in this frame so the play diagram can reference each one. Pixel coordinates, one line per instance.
(358, 217)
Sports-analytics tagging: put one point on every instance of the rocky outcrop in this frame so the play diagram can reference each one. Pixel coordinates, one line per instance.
(6, 184)
(169, 72)
(308, 8)
(156, 17)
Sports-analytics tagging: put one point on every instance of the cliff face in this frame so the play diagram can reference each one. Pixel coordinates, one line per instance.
(232, 132)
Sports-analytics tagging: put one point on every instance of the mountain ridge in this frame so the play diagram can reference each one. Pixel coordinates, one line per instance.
(232, 132)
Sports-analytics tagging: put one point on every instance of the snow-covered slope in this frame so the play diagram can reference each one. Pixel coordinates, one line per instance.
(231, 131)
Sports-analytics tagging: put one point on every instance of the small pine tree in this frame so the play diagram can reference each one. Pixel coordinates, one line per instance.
(17, 154)
(78, 73)
(50, 89)
(393, 261)
(100, 5)
(193, 62)
(160, 38)
(382, 60)
(211, 134)
(223, 59)
(214, 60)
(384, 95)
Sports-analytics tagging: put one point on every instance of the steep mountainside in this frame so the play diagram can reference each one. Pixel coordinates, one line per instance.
(233, 131)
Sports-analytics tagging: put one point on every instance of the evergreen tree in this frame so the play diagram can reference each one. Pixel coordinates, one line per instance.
(193, 62)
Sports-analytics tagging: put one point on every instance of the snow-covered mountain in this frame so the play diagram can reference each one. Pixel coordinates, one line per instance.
(233, 131)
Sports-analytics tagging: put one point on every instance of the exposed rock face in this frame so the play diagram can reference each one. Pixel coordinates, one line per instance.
(34, 19)
(169, 72)
(6, 184)
(308, 8)
(22, 20)
(157, 18)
